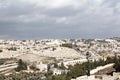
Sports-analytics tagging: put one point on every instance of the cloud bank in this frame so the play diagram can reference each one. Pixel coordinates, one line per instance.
(39, 19)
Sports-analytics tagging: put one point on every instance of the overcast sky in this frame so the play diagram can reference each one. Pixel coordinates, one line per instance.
(42, 19)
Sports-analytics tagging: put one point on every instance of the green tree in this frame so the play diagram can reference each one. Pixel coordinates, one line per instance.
(1, 51)
(21, 66)
(62, 66)
(55, 65)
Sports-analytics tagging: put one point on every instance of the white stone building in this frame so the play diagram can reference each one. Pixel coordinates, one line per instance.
(42, 67)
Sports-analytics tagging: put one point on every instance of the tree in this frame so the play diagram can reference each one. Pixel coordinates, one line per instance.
(69, 45)
(1, 51)
(55, 65)
(21, 66)
(12, 49)
(117, 66)
(62, 66)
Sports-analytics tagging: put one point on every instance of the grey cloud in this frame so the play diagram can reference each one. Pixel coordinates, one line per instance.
(20, 20)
